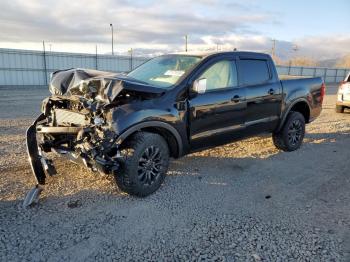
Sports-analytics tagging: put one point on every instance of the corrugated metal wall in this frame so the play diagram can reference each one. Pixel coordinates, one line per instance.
(33, 68)
(331, 75)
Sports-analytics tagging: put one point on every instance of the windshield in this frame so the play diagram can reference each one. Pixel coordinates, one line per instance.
(164, 71)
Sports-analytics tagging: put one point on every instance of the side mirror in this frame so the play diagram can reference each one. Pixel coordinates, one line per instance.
(200, 86)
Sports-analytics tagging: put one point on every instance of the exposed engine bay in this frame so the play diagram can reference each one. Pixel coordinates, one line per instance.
(81, 131)
(77, 122)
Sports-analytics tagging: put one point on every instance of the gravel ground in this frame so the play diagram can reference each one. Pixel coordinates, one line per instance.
(245, 201)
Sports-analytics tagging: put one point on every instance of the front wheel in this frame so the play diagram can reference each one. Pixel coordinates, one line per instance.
(291, 136)
(339, 109)
(144, 165)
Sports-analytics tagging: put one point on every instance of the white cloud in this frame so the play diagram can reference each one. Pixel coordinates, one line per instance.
(150, 25)
(88, 21)
(323, 47)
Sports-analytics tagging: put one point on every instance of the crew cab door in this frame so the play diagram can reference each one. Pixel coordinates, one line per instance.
(218, 112)
(263, 94)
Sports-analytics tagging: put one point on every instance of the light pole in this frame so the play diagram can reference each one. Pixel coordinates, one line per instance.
(111, 25)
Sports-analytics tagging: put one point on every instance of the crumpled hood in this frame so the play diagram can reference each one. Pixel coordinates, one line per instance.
(97, 84)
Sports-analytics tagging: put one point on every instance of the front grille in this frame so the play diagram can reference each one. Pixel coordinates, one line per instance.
(66, 117)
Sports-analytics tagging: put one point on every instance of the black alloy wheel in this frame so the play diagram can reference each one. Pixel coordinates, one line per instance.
(144, 165)
(295, 131)
(291, 135)
(149, 165)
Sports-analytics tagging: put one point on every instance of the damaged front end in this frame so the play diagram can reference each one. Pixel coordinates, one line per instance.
(76, 122)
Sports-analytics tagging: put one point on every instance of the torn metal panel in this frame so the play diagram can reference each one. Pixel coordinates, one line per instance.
(33, 152)
(99, 85)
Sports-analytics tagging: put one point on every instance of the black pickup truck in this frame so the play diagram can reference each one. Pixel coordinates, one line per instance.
(129, 125)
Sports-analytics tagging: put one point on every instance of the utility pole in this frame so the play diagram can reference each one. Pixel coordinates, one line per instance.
(130, 51)
(111, 25)
(295, 49)
(273, 51)
(186, 36)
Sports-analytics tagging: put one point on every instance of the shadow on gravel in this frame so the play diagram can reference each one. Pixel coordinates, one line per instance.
(306, 186)
(213, 165)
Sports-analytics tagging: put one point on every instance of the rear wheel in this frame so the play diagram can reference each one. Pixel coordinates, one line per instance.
(145, 163)
(339, 109)
(291, 136)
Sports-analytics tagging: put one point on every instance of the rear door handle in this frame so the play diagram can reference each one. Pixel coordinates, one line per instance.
(271, 91)
(236, 99)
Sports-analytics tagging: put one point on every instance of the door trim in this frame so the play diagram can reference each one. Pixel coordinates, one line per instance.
(217, 131)
(262, 120)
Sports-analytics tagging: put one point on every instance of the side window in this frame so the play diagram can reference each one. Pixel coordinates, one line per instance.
(254, 71)
(221, 75)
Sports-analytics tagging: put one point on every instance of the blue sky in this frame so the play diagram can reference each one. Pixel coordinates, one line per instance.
(318, 28)
(306, 18)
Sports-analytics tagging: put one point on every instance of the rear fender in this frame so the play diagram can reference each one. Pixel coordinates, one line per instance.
(288, 109)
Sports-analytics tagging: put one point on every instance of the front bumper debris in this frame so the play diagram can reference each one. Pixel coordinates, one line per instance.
(33, 152)
(35, 163)
(93, 146)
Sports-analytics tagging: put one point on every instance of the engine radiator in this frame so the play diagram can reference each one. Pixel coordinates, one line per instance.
(66, 117)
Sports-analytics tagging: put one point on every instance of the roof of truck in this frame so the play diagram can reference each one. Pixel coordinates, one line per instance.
(210, 53)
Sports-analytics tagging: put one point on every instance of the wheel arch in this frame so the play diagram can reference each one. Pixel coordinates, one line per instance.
(168, 132)
(301, 106)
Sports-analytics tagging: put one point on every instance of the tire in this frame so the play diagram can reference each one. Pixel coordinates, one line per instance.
(144, 164)
(291, 136)
(339, 109)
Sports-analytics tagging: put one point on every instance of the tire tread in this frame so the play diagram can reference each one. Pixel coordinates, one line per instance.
(124, 177)
(280, 138)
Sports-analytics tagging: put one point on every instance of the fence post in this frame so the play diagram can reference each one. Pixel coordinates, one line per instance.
(315, 71)
(301, 71)
(336, 75)
(325, 75)
(96, 62)
(45, 68)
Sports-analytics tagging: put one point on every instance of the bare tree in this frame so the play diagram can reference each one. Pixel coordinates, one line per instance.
(303, 61)
(344, 62)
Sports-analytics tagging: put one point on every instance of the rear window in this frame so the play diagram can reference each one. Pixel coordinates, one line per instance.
(254, 72)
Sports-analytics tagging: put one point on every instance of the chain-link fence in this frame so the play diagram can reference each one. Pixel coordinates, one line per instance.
(33, 68)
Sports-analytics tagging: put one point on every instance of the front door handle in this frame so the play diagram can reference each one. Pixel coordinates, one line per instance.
(271, 91)
(236, 99)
